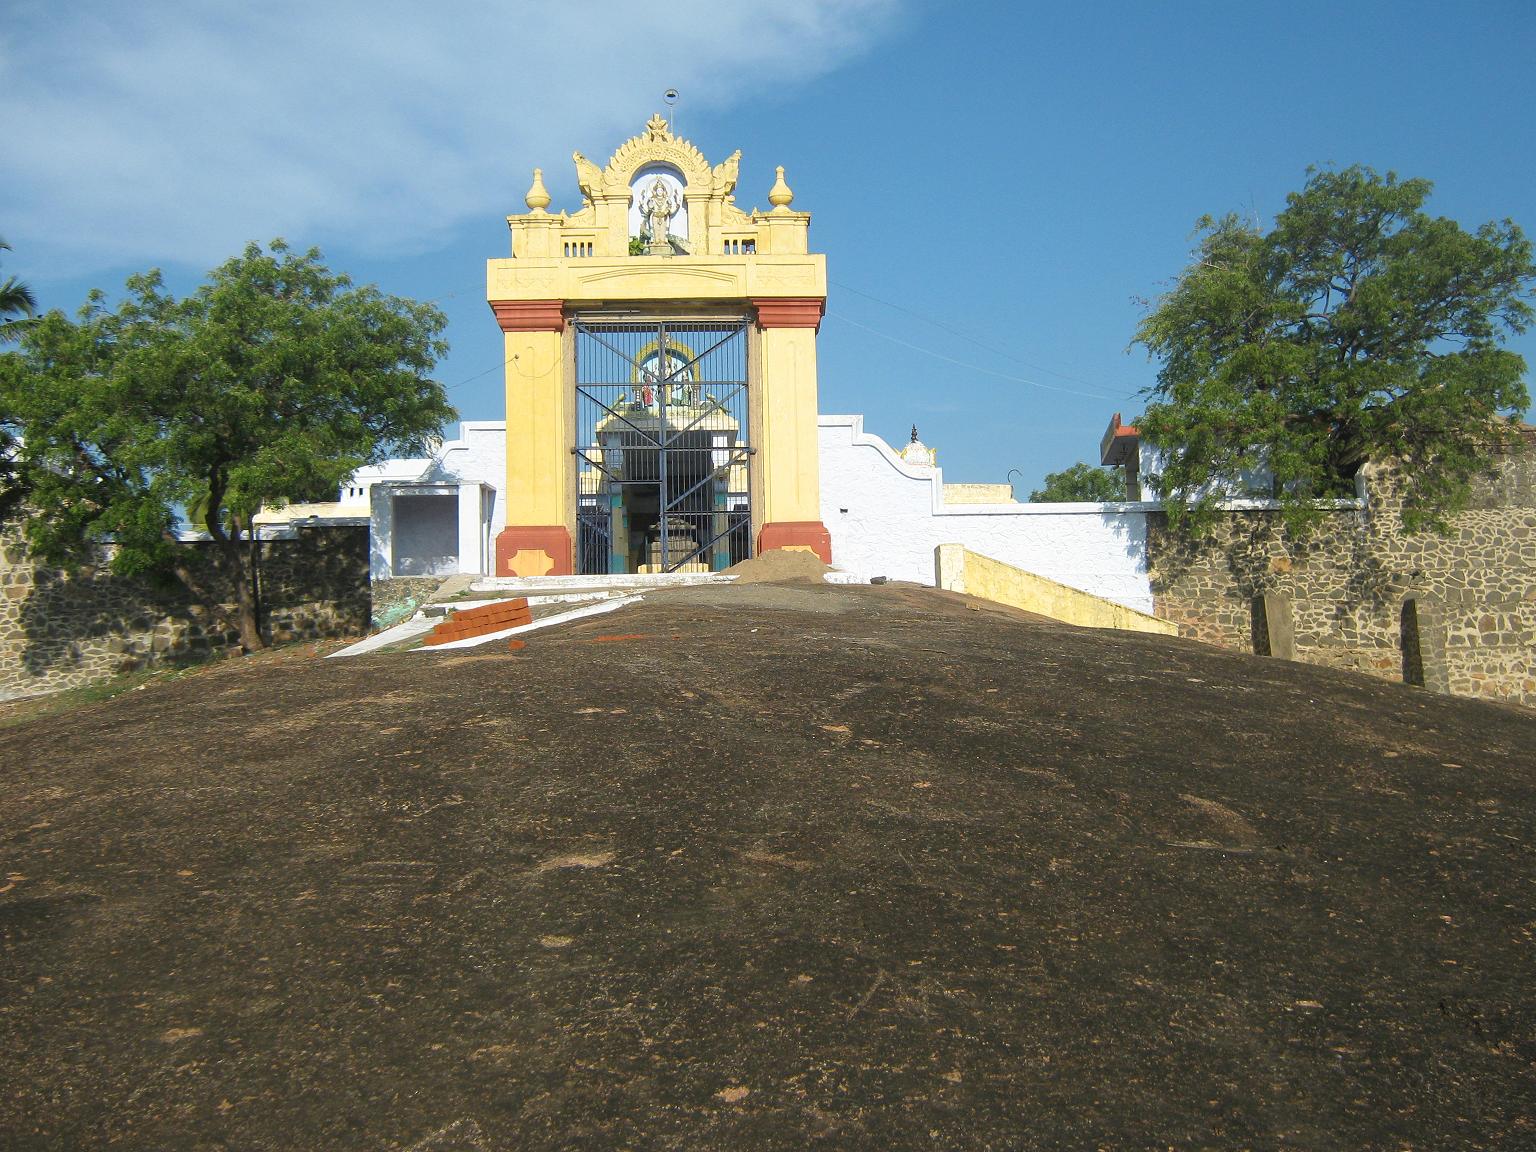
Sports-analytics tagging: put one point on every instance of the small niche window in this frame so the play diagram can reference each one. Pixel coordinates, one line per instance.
(1413, 655)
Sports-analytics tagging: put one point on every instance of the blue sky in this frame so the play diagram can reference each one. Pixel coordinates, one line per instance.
(997, 186)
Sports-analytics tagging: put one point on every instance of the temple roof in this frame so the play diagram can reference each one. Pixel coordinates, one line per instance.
(656, 145)
(705, 220)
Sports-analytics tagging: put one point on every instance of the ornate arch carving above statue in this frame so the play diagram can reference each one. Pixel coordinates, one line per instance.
(656, 145)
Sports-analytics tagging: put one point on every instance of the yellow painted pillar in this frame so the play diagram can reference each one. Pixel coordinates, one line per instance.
(537, 539)
(787, 438)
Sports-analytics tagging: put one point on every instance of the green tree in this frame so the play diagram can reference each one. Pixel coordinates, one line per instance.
(17, 304)
(1359, 327)
(17, 308)
(277, 377)
(1080, 482)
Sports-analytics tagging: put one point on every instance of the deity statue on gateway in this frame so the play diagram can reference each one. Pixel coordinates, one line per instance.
(658, 208)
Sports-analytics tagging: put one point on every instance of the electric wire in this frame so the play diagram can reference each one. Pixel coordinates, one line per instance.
(963, 335)
(1009, 376)
(977, 367)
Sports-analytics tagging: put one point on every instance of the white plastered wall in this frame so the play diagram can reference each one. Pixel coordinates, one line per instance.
(473, 466)
(886, 518)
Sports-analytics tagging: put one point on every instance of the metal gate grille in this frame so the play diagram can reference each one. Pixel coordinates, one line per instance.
(662, 446)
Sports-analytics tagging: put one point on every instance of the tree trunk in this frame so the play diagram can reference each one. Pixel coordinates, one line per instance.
(258, 591)
(242, 565)
(246, 609)
(242, 622)
(247, 616)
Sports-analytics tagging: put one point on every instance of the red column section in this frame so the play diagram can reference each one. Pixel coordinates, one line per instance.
(530, 315)
(810, 534)
(790, 312)
(553, 540)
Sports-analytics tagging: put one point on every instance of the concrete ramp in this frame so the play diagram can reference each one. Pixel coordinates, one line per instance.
(958, 569)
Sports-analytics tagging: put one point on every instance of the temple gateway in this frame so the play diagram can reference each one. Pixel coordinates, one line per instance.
(660, 370)
(661, 413)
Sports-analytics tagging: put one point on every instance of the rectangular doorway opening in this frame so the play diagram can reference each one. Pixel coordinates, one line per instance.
(662, 445)
(425, 536)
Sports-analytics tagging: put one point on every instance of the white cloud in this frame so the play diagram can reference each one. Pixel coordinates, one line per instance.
(163, 132)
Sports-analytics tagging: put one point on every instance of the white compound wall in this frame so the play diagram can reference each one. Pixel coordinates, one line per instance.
(886, 517)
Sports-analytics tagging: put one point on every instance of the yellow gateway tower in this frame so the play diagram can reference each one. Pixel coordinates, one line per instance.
(661, 370)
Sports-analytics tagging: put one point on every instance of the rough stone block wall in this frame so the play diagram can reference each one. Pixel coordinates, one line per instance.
(316, 586)
(62, 630)
(1474, 590)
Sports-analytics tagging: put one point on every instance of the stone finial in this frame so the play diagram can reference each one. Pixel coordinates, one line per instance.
(779, 195)
(538, 195)
(657, 128)
(919, 454)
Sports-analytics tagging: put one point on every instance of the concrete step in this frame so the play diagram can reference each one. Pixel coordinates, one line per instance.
(532, 586)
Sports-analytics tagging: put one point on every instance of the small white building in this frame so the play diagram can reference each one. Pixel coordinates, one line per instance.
(427, 516)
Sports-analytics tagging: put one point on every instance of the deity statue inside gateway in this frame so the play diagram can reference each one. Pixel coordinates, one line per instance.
(658, 208)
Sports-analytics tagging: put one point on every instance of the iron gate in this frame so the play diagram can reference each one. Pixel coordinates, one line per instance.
(662, 445)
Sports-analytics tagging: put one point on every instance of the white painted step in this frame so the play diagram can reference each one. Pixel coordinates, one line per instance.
(557, 585)
(417, 625)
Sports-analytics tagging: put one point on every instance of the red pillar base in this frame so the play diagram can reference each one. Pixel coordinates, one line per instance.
(806, 534)
(534, 550)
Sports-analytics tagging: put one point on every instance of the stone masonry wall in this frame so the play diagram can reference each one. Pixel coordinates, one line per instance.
(61, 630)
(1473, 592)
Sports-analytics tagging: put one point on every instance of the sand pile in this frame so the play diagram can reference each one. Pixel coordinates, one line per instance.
(780, 566)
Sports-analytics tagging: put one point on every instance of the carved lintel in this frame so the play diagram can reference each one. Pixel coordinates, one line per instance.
(649, 148)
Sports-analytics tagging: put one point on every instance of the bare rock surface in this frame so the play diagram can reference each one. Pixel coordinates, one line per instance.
(862, 868)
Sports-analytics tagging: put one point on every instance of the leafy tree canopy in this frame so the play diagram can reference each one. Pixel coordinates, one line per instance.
(1080, 482)
(17, 307)
(1359, 327)
(274, 379)
(17, 304)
